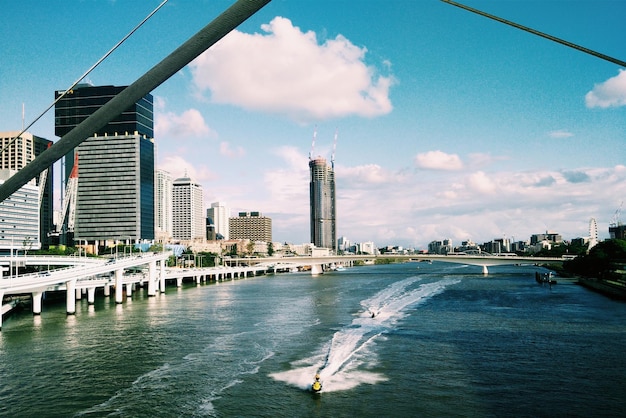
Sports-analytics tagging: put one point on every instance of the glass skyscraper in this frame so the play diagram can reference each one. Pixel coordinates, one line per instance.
(115, 199)
(322, 201)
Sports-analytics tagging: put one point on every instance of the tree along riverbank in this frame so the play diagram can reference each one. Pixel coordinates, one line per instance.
(603, 269)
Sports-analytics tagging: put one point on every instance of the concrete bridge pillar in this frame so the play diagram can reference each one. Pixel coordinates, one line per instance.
(198, 277)
(485, 270)
(316, 269)
(179, 282)
(37, 298)
(70, 298)
(79, 294)
(119, 286)
(152, 278)
(107, 290)
(91, 295)
(162, 275)
(129, 289)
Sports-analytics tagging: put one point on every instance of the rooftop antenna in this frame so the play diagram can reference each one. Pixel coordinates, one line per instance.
(332, 156)
(313, 144)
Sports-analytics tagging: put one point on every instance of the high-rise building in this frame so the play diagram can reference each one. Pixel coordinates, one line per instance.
(188, 222)
(18, 154)
(322, 202)
(163, 193)
(115, 198)
(251, 225)
(343, 244)
(617, 231)
(19, 218)
(219, 214)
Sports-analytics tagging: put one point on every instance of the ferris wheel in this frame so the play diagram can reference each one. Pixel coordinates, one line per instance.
(593, 233)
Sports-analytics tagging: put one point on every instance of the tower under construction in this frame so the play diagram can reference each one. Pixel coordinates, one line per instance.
(322, 202)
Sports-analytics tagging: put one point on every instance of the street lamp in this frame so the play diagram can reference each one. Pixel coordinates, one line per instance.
(200, 258)
(125, 244)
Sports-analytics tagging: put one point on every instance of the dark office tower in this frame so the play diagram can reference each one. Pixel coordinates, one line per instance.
(115, 196)
(81, 102)
(322, 201)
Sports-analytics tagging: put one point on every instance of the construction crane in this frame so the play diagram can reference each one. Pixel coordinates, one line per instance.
(42, 182)
(615, 221)
(69, 200)
(42, 185)
(332, 156)
(313, 144)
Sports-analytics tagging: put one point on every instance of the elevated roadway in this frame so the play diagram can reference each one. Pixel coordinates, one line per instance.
(79, 275)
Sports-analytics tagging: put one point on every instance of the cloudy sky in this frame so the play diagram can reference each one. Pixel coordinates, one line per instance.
(448, 124)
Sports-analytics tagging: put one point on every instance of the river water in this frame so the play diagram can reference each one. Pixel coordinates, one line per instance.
(445, 341)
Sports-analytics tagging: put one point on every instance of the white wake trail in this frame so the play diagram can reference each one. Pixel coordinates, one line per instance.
(343, 362)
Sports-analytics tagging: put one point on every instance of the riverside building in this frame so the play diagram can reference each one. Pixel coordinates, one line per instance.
(251, 225)
(19, 218)
(115, 194)
(219, 214)
(322, 203)
(188, 222)
(19, 153)
(163, 193)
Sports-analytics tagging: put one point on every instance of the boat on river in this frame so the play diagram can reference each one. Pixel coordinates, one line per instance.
(316, 387)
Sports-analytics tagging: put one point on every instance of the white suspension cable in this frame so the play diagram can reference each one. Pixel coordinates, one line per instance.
(105, 56)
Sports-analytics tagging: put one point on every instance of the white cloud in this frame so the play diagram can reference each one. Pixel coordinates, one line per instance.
(611, 93)
(178, 167)
(438, 160)
(227, 151)
(479, 159)
(481, 183)
(190, 123)
(365, 175)
(286, 71)
(560, 133)
(286, 195)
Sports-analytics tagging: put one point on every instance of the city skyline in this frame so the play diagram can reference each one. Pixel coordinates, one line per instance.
(449, 125)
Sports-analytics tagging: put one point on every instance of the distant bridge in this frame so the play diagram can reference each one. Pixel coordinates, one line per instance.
(319, 264)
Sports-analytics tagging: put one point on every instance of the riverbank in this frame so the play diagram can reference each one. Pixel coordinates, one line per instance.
(610, 288)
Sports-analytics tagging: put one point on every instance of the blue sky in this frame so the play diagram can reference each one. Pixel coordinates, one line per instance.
(450, 125)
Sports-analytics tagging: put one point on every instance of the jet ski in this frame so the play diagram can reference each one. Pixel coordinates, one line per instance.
(316, 387)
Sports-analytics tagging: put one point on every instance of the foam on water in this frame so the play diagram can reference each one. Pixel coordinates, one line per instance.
(346, 360)
(201, 364)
